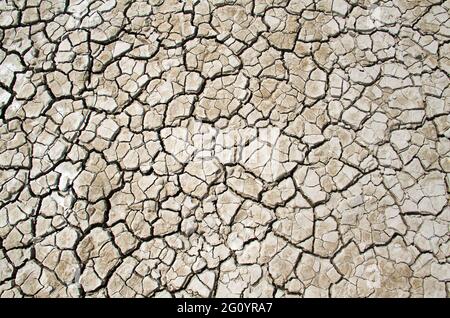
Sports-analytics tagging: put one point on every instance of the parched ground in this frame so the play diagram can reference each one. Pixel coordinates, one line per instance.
(254, 148)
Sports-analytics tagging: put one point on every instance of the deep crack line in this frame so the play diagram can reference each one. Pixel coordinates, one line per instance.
(224, 148)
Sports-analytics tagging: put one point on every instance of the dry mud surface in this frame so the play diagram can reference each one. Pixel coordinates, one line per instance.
(267, 148)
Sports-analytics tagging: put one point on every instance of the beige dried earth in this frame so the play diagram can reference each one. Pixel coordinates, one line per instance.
(224, 148)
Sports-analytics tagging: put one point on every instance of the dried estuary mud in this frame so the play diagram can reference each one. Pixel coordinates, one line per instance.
(249, 148)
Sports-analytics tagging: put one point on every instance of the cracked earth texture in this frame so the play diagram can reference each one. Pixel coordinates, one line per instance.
(248, 148)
